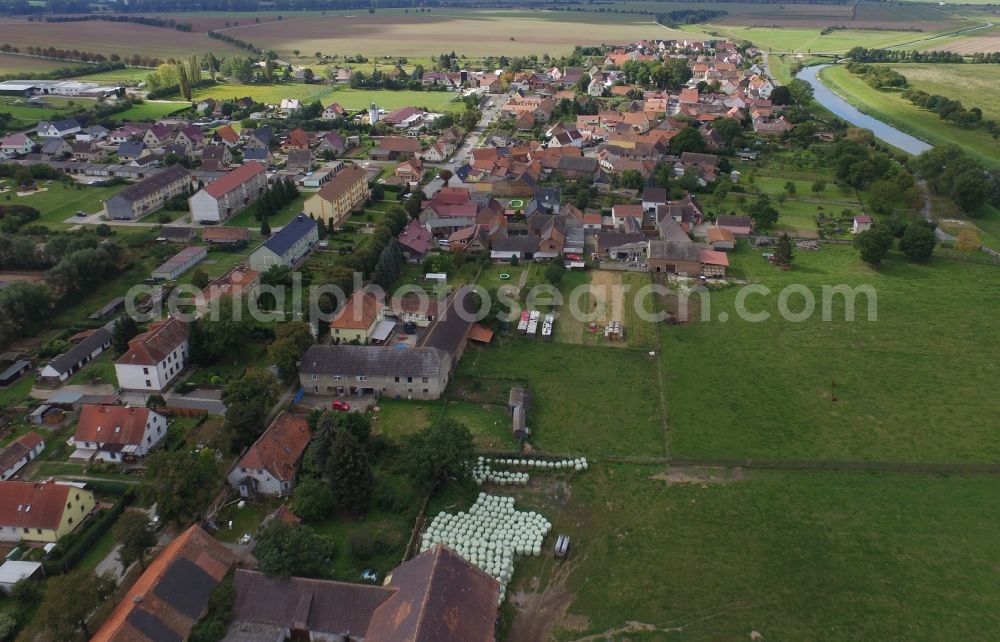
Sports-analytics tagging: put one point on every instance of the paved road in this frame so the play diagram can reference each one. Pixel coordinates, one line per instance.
(463, 153)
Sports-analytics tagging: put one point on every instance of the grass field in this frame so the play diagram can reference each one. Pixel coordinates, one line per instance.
(132, 74)
(618, 414)
(888, 557)
(150, 111)
(27, 115)
(110, 38)
(469, 32)
(892, 108)
(810, 39)
(974, 87)
(901, 381)
(60, 201)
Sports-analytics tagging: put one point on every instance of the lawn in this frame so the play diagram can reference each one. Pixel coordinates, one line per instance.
(150, 111)
(61, 201)
(964, 82)
(249, 354)
(889, 557)
(270, 94)
(27, 115)
(248, 218)
(131, 74)
(807, 40)
(244, 520)
(101, 549)
(738, 389)
(100, 370)
(587, 400)
(16, 392)
(892, 108)
(350, 98)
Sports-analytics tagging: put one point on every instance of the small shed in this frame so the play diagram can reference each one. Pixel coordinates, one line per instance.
(519, 396)
(14, 372)
(12, 572)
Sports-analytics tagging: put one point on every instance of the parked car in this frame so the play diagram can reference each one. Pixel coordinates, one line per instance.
(340, 405)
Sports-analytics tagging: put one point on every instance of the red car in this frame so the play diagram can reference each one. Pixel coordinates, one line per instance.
(341, 405)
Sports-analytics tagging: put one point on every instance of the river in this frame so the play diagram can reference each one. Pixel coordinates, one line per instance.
(851, 114)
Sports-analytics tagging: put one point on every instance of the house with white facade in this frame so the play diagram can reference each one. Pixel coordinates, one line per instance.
(230, 194)
(155, 357)
(62, 367)
(16, 145)
(116, 433)
(270, 465)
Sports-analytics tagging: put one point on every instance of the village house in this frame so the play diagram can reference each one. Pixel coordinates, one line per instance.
(415, 241)
(230, 194)
(332, 143)
(42, 511)
(861, 223)
(414, 373)
(57, 128)
(16, 145)
(148, 195)
(296, 139)
(216, 158)
(55, 148)
(172, 594)
(227, 136)
(155, 358)
(116, 434)
(19, 452)
(360, 321)
(690, 259)
(300, 160)
(130, 150)
(335, 201)
(62, 367)
(157, 136)
(333, 111)
(269, 467)
(410, 171)
(287, 246)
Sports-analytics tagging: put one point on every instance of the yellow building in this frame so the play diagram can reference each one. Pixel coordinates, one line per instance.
(42, 512)
(337, 199)
(358, 320)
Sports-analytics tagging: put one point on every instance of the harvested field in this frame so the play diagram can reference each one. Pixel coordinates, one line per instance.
(109, 38)
(471, 32)
(10, 64)
(973, 44)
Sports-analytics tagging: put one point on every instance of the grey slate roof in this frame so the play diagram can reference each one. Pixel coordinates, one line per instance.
(675, 251)
(290, 234)
(453, 324)
(68, 359)
(130, 148)
(153, 183)
(375, 361)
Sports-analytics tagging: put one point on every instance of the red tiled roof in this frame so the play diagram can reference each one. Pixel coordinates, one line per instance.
(234, 179)
(359, 312)
(278, 450)
(227, 134)
(112, 424)
(153, 346)
(480, 333)
(713, 257)
(33, 505)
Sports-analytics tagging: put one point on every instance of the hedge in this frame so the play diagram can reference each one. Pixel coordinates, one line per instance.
(75, 545)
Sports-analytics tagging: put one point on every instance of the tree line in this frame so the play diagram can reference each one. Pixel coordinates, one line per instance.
(166, 23)
(952, 111)
(674, 19)
(862, 54)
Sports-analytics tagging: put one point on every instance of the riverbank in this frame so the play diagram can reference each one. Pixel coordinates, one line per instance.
(893, 110)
